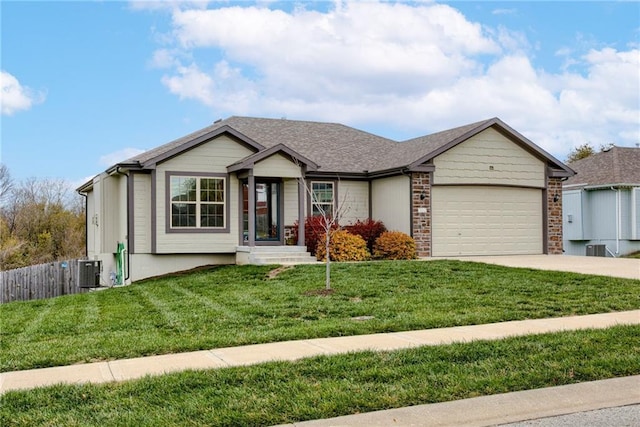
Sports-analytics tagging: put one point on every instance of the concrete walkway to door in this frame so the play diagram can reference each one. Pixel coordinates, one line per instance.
(627, 268)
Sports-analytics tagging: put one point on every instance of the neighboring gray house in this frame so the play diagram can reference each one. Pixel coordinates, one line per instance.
(602, 204)
(231, 193)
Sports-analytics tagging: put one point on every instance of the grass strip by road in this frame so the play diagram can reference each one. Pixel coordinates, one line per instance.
(330, 386)
(239, 305)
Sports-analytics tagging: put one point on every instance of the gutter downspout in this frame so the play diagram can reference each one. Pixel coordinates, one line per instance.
(618, 220)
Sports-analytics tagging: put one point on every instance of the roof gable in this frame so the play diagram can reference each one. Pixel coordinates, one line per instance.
(149, 159)
(338, 149)
(441, 142)
(249, 161)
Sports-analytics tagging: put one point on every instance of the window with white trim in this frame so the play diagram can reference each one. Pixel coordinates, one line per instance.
(323, 196)
(197, 202)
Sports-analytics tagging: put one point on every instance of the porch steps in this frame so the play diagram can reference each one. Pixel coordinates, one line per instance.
(264, 255)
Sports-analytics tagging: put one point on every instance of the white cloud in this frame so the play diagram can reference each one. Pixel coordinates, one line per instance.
(413, 67)
(319, 57)
(164, 58)
(15, 97)
(503, 11)
(111, 159)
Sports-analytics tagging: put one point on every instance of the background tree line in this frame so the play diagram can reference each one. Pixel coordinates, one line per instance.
(585, 150)
(41, 220)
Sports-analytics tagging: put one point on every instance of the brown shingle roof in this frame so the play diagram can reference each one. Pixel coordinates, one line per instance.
(619, 165)
(332, 146)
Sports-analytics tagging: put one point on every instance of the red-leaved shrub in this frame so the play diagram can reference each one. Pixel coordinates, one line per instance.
(368, 229)
(313, 231)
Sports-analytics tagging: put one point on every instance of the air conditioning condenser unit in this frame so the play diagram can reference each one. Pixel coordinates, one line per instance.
(89, 274)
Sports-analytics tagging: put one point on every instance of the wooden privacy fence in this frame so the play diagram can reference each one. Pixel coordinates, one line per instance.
(40, 281)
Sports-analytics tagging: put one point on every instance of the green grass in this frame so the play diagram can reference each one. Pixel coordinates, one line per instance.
(325, 387)
(229, 306)
(633, 255)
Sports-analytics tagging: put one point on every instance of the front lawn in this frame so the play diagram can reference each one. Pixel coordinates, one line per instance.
(229, 306)
(323, 387)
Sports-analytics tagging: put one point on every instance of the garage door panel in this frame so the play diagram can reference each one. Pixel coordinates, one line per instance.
(476, 220)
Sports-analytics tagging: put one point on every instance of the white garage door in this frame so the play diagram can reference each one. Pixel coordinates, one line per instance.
(476, 220)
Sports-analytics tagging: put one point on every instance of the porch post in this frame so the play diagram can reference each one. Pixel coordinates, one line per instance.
(301, 192)
(252, 208)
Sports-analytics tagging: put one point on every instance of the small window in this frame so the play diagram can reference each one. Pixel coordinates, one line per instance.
(197, 202)
(323, 197)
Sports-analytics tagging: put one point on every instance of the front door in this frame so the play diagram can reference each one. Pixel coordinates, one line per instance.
(267, 212)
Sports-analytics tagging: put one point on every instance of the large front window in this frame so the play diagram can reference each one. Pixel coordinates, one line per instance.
(322, 198)
(197, 202)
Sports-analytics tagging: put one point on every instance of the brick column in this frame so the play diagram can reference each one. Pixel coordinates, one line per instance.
(554, 216)
(421, 212)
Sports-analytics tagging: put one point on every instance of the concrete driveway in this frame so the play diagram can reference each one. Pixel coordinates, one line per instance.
(627, 268)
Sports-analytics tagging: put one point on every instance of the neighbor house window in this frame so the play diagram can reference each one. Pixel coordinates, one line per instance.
(323, 196)
(197, 202)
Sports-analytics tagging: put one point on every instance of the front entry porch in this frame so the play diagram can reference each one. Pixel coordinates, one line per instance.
(264, 255)
(263, 206)
(272, 198)
(263, 222)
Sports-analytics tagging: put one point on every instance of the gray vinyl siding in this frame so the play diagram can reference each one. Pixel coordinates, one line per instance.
(577, 247)
(489, 158)
(625, 213)
(635, 203)
(601, 223)
(211, 157)
(391, 202)
(141, 213)
(599, 220)
(573, 213)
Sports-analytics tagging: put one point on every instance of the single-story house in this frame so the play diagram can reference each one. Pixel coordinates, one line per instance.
(231, 193)
(602, 204)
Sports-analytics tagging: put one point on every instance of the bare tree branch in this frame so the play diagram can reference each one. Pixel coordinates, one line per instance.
(339, 210)
(6, 183)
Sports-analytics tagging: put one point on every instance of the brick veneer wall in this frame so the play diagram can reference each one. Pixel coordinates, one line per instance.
(554, 217)
(421, 185)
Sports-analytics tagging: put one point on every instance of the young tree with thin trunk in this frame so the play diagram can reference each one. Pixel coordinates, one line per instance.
(329, 221)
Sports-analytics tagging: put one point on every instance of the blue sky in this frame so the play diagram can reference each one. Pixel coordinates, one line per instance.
(86, 84)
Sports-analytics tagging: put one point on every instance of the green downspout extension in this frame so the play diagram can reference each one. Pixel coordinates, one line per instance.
(120, 264)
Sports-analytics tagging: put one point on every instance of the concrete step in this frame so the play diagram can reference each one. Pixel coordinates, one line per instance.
(272, 249)
(282, 258)
(262, 255)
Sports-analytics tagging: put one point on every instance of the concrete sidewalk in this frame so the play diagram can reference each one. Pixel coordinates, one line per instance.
(627, 268)
(128, 369)
(500, 408)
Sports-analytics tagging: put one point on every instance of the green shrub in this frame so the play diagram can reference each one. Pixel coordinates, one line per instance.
(344, 247)
(394, 245)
